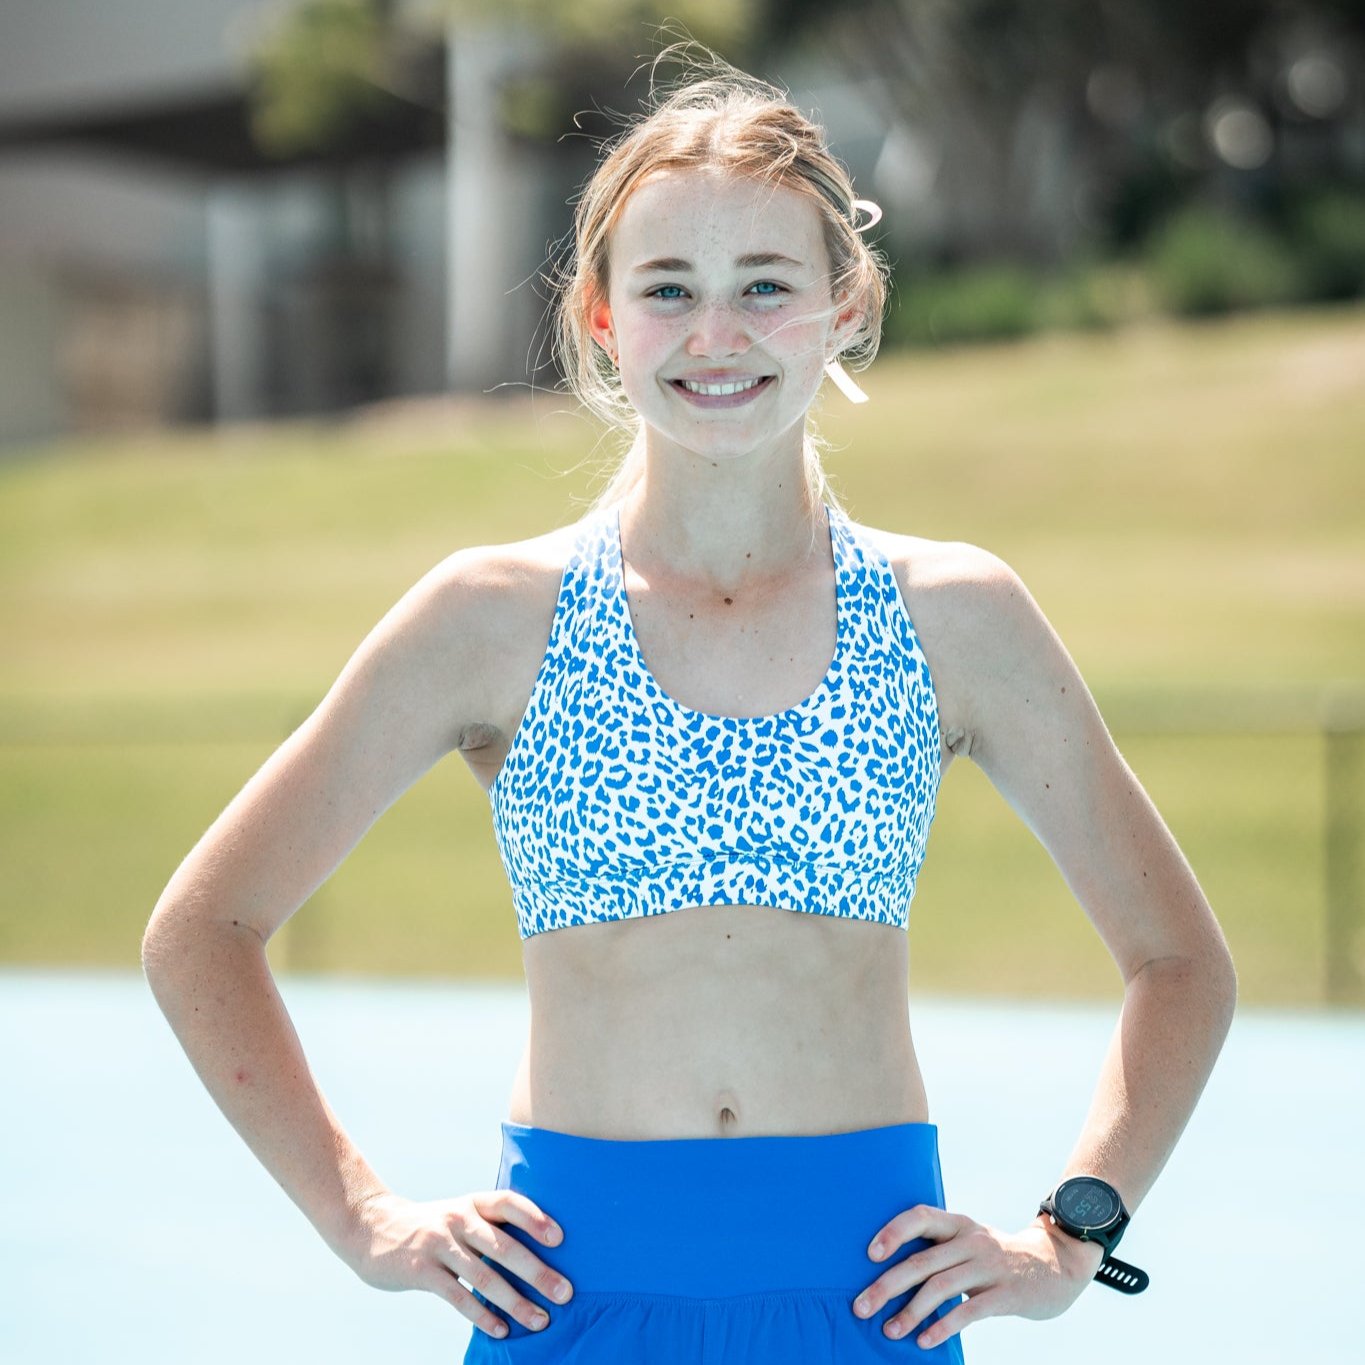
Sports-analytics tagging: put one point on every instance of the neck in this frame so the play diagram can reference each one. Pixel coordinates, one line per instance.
(722, 525)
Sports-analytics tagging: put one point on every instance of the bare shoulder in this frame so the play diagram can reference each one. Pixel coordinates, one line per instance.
(496, 581)
(488, 608)
(946, 565)
(965, 602)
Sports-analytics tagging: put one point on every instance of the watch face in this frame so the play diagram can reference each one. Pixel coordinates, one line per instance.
(1086, 1202)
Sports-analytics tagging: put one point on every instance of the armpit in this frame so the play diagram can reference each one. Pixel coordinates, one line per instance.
(478, 735)
(959, 740)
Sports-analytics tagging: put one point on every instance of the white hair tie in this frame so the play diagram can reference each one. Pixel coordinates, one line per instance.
(845, 383)
(868, 207)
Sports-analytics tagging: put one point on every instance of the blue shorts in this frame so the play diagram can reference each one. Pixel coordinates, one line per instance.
(715, 1251)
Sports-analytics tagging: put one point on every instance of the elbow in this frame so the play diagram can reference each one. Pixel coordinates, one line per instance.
(1226, 977)
(1216, 975)
(157, 949)
(179, 938)
(187, 952)
(151, 936)
(1219, 969)
(1206, 975)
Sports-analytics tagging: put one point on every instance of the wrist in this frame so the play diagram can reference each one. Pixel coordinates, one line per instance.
(352, 1233)
(1078, 1260)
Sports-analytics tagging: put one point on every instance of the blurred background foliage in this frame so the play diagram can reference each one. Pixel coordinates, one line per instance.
(1222, 145)
(314, 61)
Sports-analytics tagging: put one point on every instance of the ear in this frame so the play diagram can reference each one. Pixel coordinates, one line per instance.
(600, 325)
(848, 318)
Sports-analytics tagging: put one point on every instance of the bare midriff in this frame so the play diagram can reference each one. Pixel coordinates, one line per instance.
(723, 1020)
(717, 1021)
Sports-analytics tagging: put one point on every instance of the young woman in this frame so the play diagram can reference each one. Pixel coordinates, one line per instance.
(712, 717)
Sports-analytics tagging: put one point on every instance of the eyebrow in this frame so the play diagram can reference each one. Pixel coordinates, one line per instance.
(755, 258)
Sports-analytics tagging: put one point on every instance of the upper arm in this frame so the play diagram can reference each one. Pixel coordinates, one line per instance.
(400, 703)
(1037, 734)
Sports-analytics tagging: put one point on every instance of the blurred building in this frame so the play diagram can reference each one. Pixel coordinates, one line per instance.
(156, 265)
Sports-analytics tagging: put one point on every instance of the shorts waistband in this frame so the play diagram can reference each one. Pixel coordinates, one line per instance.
(719, 1217)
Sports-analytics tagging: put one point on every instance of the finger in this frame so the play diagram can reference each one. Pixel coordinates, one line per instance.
(924, 1220)
(493, 1240)
(913, 1270)
(982, 1305)
(507, 1206)
(498, 1249)
(937, 1290)
(443, 1283)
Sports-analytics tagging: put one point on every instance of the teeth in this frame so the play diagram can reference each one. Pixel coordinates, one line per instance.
(716, 390)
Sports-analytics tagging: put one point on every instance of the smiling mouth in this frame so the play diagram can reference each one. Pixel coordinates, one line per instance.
(738, 389)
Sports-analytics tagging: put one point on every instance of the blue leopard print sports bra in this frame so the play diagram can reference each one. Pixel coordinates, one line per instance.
(615, 801)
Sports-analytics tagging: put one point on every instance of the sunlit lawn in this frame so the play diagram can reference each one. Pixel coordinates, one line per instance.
(1187, 503)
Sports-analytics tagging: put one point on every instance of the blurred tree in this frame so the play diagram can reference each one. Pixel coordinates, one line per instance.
(980, 76)
(1126, 93)
(320, 65)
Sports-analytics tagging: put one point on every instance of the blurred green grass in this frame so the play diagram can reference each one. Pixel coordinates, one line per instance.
(1185, 500)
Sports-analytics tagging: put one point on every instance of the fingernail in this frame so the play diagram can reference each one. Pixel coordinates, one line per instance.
(552, 1233)
(562, 1292)
(863, 1307)
(893, 1329)
(538, 1320)
(877, 1251)
(500, 1330)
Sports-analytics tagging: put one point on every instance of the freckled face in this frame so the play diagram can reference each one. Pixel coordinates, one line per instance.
(698, 311)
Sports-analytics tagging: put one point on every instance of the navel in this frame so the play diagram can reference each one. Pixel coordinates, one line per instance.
(729, 1109)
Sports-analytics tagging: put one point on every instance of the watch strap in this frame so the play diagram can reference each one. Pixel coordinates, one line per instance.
(1127, 1279)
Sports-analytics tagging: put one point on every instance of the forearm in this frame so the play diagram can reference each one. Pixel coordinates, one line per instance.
(215, 987)
(1176, 1013)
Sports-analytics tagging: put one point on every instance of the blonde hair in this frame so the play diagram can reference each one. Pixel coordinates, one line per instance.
(725, 121)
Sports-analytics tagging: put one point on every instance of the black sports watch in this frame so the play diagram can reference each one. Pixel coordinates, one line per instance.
(1090, 1209)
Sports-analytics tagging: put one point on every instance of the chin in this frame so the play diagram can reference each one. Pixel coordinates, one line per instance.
(723, 452)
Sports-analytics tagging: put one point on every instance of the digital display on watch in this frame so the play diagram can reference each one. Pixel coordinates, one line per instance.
(1086, 1203)
(1090, 1208)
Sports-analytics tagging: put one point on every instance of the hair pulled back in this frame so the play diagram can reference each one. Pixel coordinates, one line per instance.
(726, 120)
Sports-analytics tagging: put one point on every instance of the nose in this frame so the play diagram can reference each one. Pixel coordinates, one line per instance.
(718, 331)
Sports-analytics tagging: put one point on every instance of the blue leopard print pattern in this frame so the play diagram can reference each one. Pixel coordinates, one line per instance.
(615, 801)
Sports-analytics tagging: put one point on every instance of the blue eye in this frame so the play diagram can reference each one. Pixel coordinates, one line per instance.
(762, 288)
